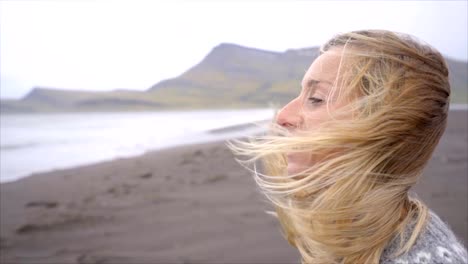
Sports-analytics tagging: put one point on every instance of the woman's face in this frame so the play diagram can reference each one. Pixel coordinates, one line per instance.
(309, 109)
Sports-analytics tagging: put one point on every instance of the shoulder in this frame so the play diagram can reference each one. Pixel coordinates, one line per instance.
(436, 244)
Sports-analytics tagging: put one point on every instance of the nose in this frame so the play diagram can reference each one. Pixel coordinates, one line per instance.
(290, 116)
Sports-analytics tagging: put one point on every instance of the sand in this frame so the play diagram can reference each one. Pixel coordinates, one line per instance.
(190, 204)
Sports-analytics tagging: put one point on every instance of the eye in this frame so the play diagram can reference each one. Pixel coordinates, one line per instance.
(315, 100)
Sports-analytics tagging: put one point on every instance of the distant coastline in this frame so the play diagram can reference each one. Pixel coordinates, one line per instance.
(230, 76)
(453, 107)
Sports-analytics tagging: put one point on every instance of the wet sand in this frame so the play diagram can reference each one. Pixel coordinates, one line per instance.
(190, 204)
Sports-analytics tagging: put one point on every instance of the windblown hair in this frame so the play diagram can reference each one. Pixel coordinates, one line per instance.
(349, 206)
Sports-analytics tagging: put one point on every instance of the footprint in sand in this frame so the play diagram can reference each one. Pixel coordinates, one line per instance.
(95, 259)
(61, 222)
(123, 189)
(44, 204)
(146, 175)
(215, 178)
(195, 157)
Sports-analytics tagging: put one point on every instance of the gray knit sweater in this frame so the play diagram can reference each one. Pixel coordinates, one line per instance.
(437, 244)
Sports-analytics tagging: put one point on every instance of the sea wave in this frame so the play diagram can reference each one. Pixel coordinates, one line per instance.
(459, 107)
(35, 143)
(7, 147)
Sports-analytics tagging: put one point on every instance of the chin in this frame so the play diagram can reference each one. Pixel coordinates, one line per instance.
(295, 168)
(298, 163)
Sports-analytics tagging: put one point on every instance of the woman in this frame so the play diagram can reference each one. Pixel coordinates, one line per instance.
(343, 155)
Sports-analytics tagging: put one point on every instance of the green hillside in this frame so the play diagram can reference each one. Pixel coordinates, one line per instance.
(230, 76)
(235, 76)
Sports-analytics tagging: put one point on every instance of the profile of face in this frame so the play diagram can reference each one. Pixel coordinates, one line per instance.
(311, 108)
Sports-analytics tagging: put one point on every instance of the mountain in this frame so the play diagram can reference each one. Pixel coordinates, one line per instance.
(230, 76)
(52, 100)
(235, 76)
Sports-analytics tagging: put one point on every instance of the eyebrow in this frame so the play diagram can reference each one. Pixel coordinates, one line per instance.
(312, 82)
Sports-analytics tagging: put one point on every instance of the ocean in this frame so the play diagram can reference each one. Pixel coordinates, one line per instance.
(32, 143)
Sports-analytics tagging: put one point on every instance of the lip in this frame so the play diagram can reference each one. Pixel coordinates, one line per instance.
(293, 156)
(299, 158)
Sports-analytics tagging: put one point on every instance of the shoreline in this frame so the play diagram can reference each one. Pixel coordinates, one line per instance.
(117, 158)
(185, 204)
(22, 160)
(453, 106)
(216, 133)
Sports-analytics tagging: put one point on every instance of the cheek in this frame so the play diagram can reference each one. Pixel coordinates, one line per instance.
(298, 162)
(313, 120)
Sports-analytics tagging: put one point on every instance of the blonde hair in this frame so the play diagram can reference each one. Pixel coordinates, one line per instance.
(349, 206)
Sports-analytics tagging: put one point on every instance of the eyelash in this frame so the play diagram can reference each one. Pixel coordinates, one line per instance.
(315, 100)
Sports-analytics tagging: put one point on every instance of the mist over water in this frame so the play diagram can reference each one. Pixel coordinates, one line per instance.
(41, 142)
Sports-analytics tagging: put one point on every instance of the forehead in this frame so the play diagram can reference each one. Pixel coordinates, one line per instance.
(323, 71)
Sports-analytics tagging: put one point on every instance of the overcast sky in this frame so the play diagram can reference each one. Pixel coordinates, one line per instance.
(105, 45)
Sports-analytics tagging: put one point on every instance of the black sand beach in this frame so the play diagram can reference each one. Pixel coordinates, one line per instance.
(190, 204)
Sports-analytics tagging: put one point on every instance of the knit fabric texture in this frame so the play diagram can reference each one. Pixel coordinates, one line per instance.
(437, 244)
